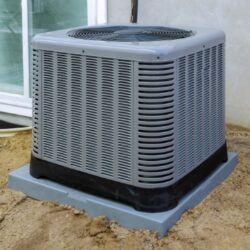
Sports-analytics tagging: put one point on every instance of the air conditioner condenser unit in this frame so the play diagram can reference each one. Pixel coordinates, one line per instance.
(131, 113)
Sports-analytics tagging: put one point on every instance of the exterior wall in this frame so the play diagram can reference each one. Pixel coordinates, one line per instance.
(231, 17)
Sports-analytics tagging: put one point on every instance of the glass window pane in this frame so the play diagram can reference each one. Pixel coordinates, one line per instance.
(49, 15)
(11, 64)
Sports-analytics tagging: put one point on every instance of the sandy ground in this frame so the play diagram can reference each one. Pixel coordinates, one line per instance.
(222, 221)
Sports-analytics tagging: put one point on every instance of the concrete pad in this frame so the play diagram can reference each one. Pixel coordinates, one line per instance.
(124, 215)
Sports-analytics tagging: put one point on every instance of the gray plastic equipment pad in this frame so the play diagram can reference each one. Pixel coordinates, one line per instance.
(126, 216)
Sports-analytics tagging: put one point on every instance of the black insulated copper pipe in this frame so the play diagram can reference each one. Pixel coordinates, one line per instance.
(134, 11)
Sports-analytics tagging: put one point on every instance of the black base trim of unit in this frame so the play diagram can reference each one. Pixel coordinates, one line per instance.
(142, 199)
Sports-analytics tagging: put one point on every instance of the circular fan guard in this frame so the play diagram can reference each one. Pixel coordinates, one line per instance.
(130, 33)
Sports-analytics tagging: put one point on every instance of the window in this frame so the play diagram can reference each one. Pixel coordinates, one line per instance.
(20, 20)
(11, 72)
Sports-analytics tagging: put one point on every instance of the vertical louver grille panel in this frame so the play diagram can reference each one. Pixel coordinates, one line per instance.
(221, 94)
(125, 130)
(87, 114)
(199, 131)
(61, 108)
(191, 109)
(35, 102)
(207, 101)
(182, 99)
(156, 122)
(108, 126)
(91, 114)
(76, 111)
(200, 107)
(48, 102)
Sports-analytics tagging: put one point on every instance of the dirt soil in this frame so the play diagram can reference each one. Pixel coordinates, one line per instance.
(221, 221)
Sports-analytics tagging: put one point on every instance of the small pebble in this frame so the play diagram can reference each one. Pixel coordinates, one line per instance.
(76, 212)
(3, 200)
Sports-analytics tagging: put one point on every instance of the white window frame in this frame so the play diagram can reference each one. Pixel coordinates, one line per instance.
(22, 104)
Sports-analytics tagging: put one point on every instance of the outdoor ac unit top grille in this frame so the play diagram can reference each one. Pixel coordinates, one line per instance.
(130, 33)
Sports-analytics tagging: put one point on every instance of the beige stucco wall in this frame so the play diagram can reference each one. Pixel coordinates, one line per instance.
(231, 16)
